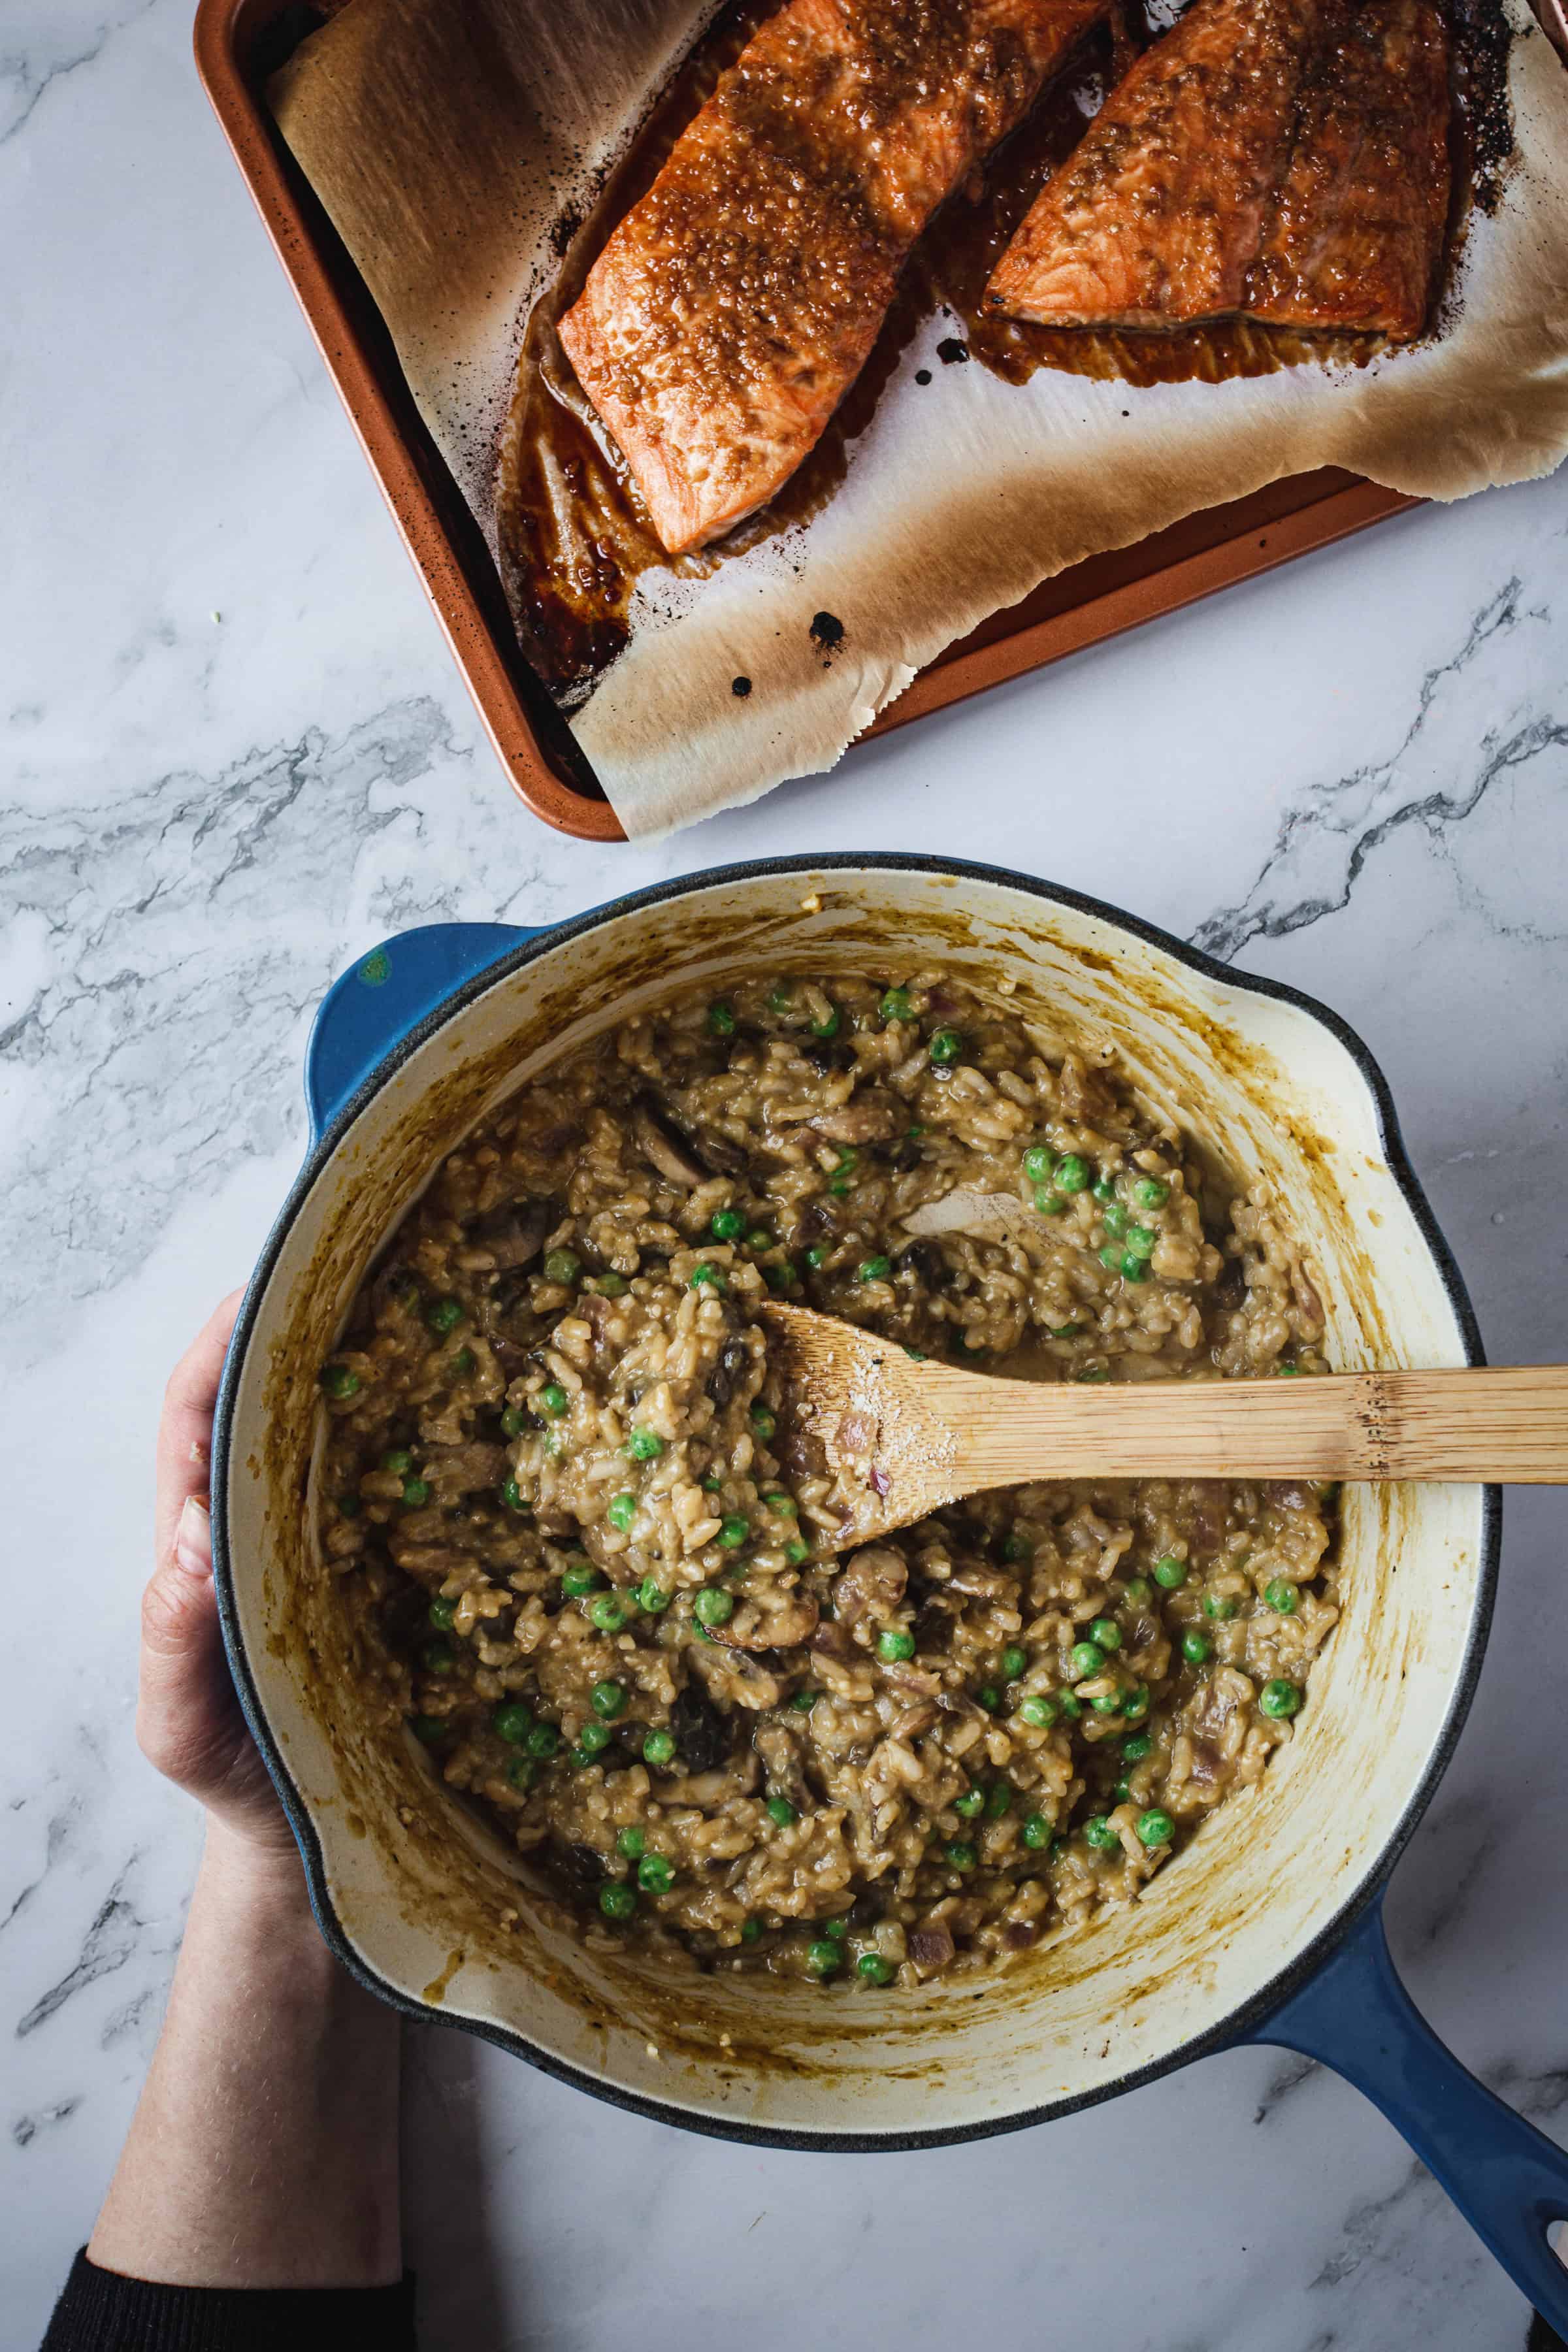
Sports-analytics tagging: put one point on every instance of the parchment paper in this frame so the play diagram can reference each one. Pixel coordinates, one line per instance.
(448, 139)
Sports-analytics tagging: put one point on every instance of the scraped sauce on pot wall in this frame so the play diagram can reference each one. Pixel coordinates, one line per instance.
(575, 535)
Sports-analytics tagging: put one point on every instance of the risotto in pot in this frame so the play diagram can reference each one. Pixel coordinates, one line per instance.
(596, 1575)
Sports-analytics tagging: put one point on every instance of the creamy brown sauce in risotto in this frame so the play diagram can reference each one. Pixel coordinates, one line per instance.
(594, 1573)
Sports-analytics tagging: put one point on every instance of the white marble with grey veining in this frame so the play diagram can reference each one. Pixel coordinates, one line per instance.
(234, 755)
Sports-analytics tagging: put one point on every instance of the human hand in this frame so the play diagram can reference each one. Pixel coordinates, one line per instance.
(188, 1720)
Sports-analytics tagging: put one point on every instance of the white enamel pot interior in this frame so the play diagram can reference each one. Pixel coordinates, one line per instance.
(432, 1911)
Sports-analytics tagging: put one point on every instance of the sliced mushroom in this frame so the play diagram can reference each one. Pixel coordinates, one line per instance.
(668, 1157)
(703, 1736)
(931, 1948)
(515, 1235)
(780, 1751)
(454, 1470)
(874, 1115)
(872, 1584)
(783, 1625)
(734, 1676)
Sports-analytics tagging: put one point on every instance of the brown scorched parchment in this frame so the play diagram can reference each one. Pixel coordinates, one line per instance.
(451, 139)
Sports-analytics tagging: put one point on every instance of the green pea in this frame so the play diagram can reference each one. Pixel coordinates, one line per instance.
(607, 1699)
(511, 1495)
(399, 1461)
(416, 1493)
(763, 1423)
(1133, 1269)
(1156, 1828)
(464, 1363)
(946, 1045)
(1040, 1711)
(1280, 1596)
(621, 1510)
(1071, 1174)
(727, 1225)
(577, 1577)
(1220, 1605)
(970, 1804)
(1140, 1241)
(1150, 1194)
(1038, 1832)
(512, 1722)
(542, 1742)
(1171, 1574)
(522, 1772)
(1069, 1330)
(591, 1740)
(1197, 1649)
(781, 1506)
(554, 1398)
(1137, 1589)
(1086, 1659)
(1287, 1371)
(655, 1875)
(873, 1269)
(998, 1798)
(706, 1278)
(989, 1697)
(897, 1005)
(1047, 1202)
(782, 1812)
(349, 1507)
(1135, 1703)
(805, 1700)
(1108, 1703)
(733, 1533)
(430, 1729)
(644, 1445)
(713, 1483)
(1280, 1699)
(780, 998)
(1038, 1162)
(816, 1257)
(616, 1899)
(874, 1968)
(827, 1027)
(1104, 1187)
(824, 1957)
(562, 1265)
(961, 1856)
(1107, 1633)
(630, 1844)
(1136, 1747)
(341, 1382)
(1114, 1219)
(1015, 1547)
(1122, 1791)
(838, 1928)
(895, 1646)
(608, 1612)
(1112, 1258)
(750, 1930)
(720, 1019)
(611, 1284)
(714, 1607)
(1015, 1662)
(841, 1188)
(1099, 1834)
(442, 1614)
(652, 1597)
(443, 1314)
(1069, 1706)
(798, 1551)
(658, 1749)
(513, 1420)
(759, 1238)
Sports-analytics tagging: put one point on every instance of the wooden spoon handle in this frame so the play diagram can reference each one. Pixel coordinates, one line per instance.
(1507, 1424)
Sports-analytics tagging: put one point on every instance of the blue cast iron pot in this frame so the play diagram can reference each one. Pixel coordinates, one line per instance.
(1265, 1928)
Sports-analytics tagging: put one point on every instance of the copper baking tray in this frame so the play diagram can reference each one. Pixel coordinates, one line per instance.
(238, 44)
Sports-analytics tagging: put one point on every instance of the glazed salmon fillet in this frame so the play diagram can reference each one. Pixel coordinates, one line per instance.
(1282, 160)
(1357, 223)
(734, 305)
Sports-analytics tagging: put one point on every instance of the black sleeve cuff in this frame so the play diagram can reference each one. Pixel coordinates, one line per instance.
(99, 2310)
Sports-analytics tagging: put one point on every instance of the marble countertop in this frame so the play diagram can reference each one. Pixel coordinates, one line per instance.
(235, 755)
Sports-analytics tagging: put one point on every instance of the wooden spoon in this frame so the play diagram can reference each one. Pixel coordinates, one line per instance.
(910, 1435)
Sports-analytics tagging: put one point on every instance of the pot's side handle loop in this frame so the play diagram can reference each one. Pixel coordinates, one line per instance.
(1506, 2179)
(388, 992)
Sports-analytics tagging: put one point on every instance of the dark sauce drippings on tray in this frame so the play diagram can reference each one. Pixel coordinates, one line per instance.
(574, 536)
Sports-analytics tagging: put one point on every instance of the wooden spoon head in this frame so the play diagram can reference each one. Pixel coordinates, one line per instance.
(875, 1409)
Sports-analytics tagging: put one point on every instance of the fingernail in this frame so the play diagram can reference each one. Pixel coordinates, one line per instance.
(194, 1538)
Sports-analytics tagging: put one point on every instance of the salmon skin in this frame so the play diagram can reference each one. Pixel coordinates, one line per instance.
(1280, 160)
(735, 304)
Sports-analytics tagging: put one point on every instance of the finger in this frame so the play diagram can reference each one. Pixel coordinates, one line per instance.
(185, 1719)
(186, 1430)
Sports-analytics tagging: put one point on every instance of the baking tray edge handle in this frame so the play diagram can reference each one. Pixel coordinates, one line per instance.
(367, 1014)
(1508, 2179)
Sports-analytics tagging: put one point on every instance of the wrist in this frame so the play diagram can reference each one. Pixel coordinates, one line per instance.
(264, 1881)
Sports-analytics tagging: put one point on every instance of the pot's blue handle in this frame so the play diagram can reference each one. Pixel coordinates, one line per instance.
(1508, 2179)
(389, 991)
